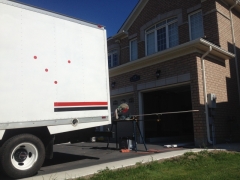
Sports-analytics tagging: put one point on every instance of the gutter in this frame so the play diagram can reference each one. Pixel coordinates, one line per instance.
(234, 46)
(205, 93)
(216, 48)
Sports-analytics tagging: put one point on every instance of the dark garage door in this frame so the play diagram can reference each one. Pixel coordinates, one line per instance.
(170, 125)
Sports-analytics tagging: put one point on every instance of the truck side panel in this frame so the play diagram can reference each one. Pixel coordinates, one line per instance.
(51, 69)
(53, 80)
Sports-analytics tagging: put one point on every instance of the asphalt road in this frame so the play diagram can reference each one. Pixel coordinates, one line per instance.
(79, 155)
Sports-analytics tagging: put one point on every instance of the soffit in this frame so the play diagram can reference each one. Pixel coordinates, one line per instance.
(199, 45)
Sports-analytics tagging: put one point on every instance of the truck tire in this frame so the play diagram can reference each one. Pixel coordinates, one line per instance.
(22, 156)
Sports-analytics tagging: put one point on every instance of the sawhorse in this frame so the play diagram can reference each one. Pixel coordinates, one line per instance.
(135, 125)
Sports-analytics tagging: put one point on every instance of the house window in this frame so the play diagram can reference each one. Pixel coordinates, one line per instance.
(133, 50)
(112, 59)
(161, 36)
(196, 25)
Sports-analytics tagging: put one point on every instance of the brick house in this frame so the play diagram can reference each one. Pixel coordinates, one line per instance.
(167, 57)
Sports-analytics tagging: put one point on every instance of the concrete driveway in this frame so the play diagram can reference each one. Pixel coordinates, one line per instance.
(80, 155)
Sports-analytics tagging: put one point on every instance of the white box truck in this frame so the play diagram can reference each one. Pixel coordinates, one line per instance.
(54, 84)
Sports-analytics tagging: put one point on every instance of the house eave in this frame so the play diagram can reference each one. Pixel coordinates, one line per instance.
(120, 35)
(199, 45)
(232, 2)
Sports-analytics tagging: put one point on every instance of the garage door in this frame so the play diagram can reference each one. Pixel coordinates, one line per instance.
(170, 126)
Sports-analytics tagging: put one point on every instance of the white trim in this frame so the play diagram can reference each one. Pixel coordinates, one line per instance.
(155, 40)
(205, 92)
(111, 53)
(130, 49)
(167, 36)
(166, 25)
(174, 13)
(189, 23)
(145, 44)
(1, 134)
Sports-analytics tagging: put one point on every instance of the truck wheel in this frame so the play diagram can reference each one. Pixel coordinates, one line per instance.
(22, 156)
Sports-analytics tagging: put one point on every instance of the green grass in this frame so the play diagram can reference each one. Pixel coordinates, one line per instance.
(204, 165)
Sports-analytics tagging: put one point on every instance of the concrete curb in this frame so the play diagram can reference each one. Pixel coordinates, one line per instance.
(75, 173)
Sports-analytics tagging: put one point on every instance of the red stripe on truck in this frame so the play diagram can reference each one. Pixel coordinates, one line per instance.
(80, 103)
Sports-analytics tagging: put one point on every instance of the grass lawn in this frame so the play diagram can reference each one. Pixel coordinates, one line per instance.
(203, 165)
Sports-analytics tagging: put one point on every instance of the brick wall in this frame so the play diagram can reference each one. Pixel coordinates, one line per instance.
(226, 42)
(217, 78)
(178, 66)
(216, 24)
(210, 24)
(158, 7)
(236, 23)
(220, 75)
(152, 10)
(224, 27)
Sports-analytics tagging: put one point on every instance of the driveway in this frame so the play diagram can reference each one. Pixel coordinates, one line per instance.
(87, 158)
(80, 155)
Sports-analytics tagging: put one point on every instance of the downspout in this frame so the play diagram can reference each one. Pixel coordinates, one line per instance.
(205, 93)
(234, 46)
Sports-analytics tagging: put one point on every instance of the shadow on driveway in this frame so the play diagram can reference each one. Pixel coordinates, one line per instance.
(61, 158)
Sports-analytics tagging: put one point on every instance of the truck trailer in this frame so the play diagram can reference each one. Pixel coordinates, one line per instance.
(54, 84)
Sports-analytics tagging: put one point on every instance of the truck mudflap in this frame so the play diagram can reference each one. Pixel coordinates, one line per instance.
(1, 134)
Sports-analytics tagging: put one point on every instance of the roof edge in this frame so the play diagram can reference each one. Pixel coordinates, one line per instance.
(133, 15)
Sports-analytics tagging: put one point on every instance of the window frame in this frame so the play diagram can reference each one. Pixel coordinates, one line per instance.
(189, 23)
(130, 49)
(154, 28)
(111, 53)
